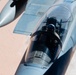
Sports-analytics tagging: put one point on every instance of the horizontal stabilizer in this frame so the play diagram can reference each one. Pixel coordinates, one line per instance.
(26, 24)
(34, 10)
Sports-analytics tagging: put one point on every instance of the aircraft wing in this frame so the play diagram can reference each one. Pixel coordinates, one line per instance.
(34, 10)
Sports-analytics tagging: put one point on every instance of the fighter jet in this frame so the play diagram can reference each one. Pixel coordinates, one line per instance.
(52, 32)
(52, 43)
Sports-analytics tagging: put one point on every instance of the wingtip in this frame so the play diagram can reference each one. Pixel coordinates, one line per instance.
(2, 23)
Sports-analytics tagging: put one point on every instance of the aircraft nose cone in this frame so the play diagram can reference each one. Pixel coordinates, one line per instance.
(7, 15)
